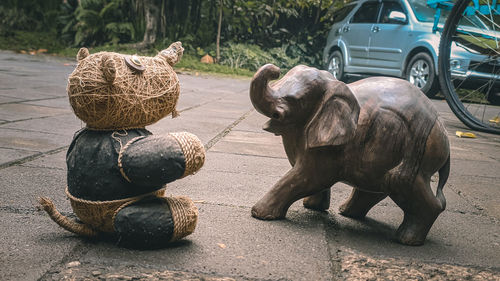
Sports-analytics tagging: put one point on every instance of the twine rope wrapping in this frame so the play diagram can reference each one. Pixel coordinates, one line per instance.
(184, 214)
(193, 150)
(65, 222)
(131, 101)
(99, 214)
(120, 155)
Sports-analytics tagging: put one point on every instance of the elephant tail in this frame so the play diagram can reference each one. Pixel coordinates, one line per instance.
(65, 222)
(444, 172)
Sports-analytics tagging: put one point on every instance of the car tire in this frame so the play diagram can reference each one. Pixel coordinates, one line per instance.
(336, 65)
(421, 73)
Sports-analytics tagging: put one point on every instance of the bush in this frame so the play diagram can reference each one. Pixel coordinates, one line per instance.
(252, 57)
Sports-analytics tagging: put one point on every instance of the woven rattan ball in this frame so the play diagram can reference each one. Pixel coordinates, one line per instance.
(108, 92)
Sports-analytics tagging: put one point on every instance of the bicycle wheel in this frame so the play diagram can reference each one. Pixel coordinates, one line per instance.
(469, 63)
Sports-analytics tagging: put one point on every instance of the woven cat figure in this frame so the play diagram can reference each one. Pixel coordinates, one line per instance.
(117, 170)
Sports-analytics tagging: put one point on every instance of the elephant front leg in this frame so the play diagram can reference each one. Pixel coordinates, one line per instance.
(293, 186)
(319, 201)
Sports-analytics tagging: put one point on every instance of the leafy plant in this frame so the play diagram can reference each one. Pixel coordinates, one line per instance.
(97, 22)
(252, 56)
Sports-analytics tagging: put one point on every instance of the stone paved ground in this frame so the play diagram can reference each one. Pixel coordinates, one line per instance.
(243, 162)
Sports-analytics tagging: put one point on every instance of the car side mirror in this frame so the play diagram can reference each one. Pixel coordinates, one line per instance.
(397, 17)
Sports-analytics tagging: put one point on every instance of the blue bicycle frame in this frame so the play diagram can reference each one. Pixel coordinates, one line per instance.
(493, 9)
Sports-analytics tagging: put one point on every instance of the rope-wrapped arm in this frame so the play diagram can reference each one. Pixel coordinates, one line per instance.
(159, 159)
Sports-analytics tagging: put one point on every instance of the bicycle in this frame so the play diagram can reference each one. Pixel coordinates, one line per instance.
(471, 87)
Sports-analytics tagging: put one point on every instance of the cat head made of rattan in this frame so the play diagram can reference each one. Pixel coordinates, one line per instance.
(112, 91)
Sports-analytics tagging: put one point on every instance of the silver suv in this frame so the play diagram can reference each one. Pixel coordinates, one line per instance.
(386, 37)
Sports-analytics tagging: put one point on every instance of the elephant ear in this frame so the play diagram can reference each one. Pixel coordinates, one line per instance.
(336, 118)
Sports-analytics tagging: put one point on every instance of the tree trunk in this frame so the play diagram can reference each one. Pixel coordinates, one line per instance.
(318, 11)
(218, 32)
(152, 18)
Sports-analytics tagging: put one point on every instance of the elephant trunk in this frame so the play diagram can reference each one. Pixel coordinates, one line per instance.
(262, 96)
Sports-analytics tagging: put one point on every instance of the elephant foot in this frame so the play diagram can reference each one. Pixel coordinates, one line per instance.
(264, 212)
(319, 201)
(359, 203)
(414, 230)
(411, 235)
(351, 213)
(419, 214)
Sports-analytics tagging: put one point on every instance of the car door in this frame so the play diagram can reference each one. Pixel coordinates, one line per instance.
(389, 38)
(356, 33)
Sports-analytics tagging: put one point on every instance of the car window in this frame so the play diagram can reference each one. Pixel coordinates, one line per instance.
(367, 13)
(389, 7)
(340, 14)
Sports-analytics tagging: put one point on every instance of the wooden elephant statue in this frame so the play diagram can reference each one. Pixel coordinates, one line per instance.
(380, 135)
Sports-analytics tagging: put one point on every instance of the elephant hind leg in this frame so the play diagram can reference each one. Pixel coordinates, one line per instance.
(359, 203)
(319, 201)
(421, 208)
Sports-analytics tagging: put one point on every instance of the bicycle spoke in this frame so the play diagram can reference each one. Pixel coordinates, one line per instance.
(471, 84)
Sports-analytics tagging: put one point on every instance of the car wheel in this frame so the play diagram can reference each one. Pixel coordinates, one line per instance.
(336, 65)
(421, 73)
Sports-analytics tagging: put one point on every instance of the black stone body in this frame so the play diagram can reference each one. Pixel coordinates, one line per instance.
(149, 162)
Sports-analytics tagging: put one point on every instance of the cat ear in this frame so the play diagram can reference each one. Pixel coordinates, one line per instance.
(83, 53)
(108, 68)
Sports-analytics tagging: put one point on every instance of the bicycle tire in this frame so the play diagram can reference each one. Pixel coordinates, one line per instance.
(450, 86)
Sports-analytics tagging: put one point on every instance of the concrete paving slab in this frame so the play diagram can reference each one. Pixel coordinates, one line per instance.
(24, 93)
(7, 99)
(251, 143)
(190, 99)
(480, 192)
(211, 83)
(204, 129)
(253, 123)
(31, 246)
(32, 141)
(462, 167)
(245, 164)
(50, 161)
(17, 111)
(455, 238)
(63, 125)
(58, 102)
(228, 242)
(462, 153)
(8, 155)
(223, 188)
(21, 186)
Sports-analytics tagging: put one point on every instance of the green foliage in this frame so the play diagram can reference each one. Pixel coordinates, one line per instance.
(96, 22)
(252, 57)
(192, 63)
(282, 32)
(25, 40)
(244, 56)
(26, 15)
